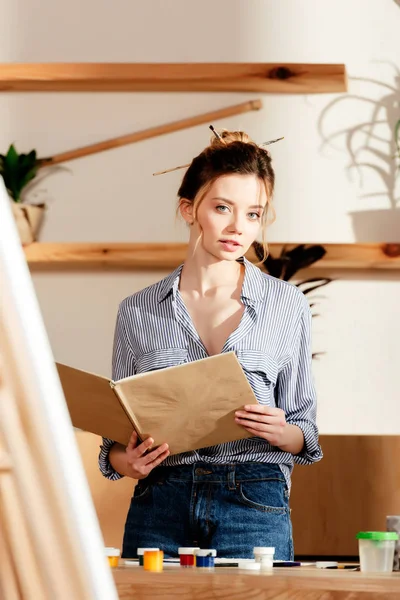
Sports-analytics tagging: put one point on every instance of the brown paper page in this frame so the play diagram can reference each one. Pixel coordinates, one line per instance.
(93, 405)
(190, 406)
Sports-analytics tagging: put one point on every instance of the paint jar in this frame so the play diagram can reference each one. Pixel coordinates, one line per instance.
(153, 560)
(186, 556)
(376, 550)
(113, 555)
(141, 551)
(265, 556)
(205, 558)
(393, 524)
(249, 565)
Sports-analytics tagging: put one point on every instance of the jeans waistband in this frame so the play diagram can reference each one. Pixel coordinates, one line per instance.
(210, 473)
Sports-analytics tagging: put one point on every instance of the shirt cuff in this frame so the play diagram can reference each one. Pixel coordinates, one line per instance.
(311, 452)
(104, 463)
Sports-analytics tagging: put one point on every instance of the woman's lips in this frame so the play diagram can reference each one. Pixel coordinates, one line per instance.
(229, 245)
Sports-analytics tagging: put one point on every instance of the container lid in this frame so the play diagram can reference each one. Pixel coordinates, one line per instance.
(203, 552)
(112, 551)
(377, 535)
(249, 565)
(187, 550)
(141, 551)
(264, 550)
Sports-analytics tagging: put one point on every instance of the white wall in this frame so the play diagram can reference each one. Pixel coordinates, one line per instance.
(113, 197)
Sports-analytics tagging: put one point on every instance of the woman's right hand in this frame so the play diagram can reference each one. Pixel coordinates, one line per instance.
(139, 460)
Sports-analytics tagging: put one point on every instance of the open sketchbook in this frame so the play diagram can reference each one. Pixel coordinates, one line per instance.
(189, 406)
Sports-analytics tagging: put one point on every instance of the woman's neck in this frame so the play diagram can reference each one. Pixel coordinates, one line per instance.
(208, 276)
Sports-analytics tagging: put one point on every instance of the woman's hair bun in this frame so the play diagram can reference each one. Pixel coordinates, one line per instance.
(228, 137)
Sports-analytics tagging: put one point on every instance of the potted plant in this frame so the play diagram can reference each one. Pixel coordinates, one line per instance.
(289, 262)
(17, 171)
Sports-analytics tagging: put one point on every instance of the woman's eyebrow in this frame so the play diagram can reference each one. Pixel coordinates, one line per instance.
(232, 203)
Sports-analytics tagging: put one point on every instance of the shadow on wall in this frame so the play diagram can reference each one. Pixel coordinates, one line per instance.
(371, 149)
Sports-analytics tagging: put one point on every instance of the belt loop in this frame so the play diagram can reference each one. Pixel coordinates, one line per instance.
(231, 477)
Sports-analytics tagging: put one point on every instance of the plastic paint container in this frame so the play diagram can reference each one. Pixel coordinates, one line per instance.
(153, 560)
(141, 551)
(205, 558)
(186, 556)
(265, 556)
(113, 555)
(249, 565)
(376, 550)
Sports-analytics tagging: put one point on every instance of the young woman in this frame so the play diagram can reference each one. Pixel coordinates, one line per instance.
(233, 496)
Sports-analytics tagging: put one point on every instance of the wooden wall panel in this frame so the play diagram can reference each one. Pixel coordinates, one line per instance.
(111, 498)
(353, 488)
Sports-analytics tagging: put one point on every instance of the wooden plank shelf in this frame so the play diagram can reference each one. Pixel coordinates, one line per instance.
(166, 256)
(272, 78)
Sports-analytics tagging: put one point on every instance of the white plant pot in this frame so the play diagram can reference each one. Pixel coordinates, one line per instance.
(28, 218)
(376, 225)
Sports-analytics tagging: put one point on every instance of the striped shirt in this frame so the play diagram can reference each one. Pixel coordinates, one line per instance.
(272, 343)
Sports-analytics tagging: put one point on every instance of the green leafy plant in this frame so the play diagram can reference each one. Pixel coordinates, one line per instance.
(17, 171)
(289, 262)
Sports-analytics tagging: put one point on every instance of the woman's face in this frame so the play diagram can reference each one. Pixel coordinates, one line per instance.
(229, 216)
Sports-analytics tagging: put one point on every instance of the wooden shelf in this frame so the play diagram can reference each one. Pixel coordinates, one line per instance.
(167, 256)
(273, 78)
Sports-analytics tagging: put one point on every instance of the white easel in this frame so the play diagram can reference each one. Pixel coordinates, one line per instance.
(50, 542)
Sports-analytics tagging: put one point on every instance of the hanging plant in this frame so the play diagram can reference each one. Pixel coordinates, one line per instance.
(290, 262)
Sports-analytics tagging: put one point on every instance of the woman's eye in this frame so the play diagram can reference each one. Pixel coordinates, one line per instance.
(221, 208)
(254, 216)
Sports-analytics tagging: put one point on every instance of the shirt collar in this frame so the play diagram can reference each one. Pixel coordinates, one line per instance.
(253, 289)
(254, 284)
(169, 283)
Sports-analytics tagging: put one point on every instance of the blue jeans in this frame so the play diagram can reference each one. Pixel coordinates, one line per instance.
(231, 508)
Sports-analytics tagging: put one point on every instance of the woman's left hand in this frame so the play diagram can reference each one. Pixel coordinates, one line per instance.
(265, 422)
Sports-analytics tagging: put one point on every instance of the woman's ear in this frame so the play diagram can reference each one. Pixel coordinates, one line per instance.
(186, 210)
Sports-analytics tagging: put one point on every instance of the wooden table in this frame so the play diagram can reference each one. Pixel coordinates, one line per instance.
(295, 583)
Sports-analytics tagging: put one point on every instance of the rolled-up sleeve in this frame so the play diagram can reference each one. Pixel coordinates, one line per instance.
(104, 462)
(122, 366)
(296, 391)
